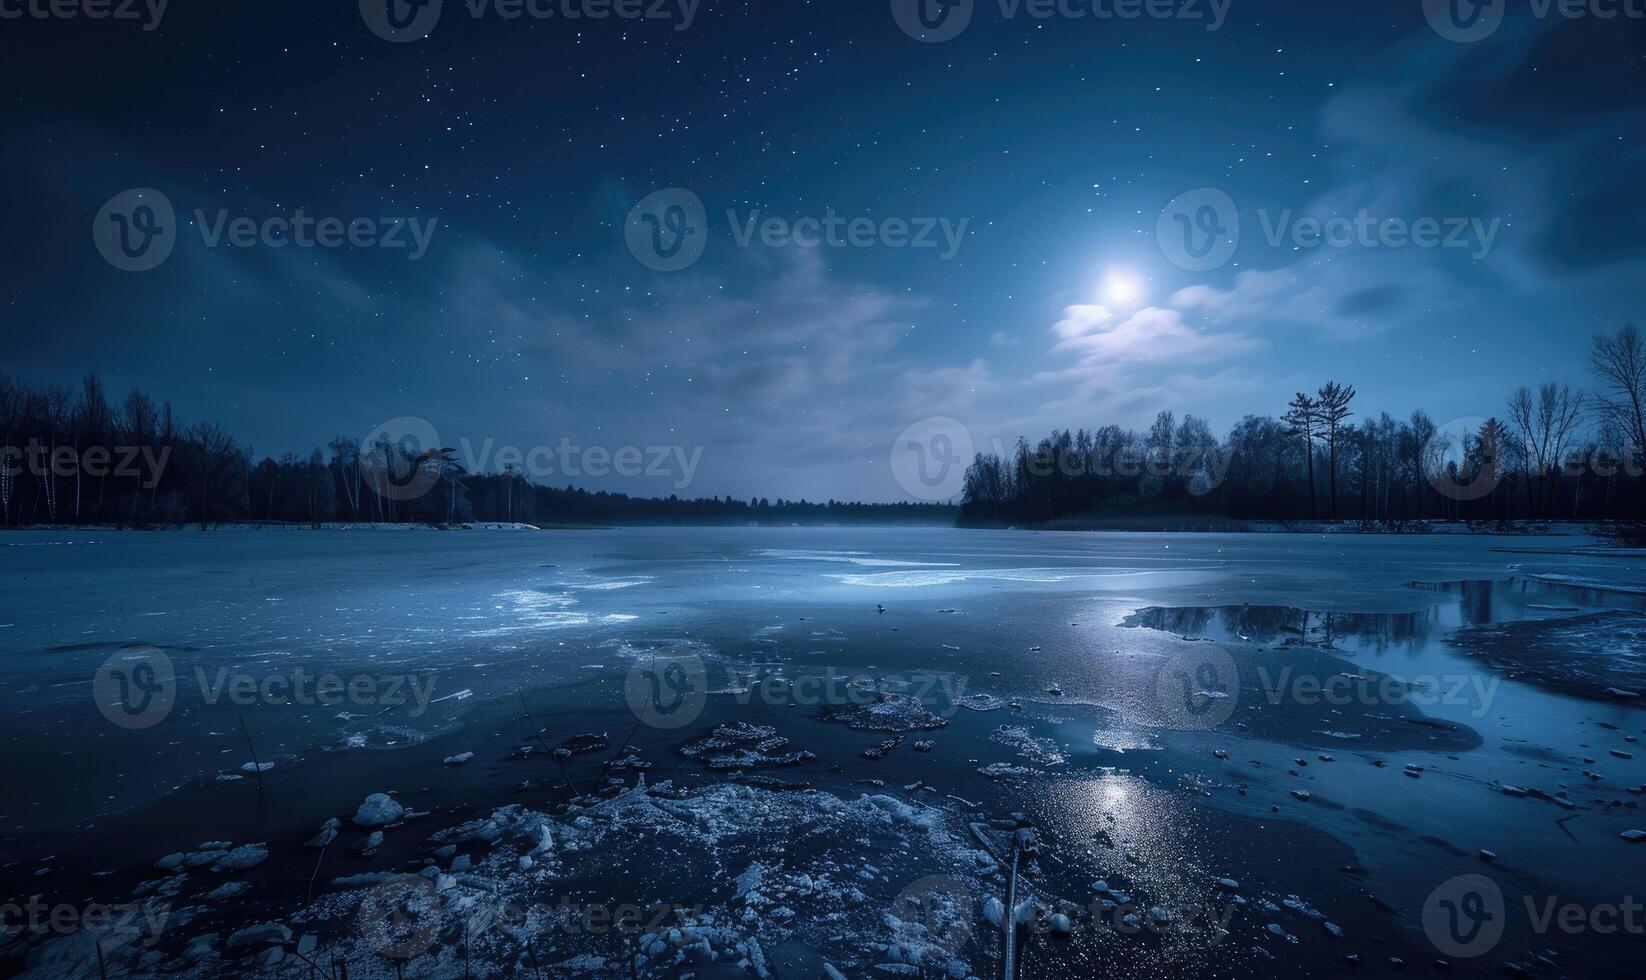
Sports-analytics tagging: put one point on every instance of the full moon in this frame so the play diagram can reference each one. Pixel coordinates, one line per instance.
(1121, 290)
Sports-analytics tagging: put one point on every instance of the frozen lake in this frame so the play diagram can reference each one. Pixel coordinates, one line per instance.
(1250, 735)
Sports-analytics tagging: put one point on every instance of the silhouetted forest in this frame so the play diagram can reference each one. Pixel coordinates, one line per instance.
(72, 457)
(1549, 453)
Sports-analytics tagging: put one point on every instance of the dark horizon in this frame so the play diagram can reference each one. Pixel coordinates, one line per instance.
(1552, 454)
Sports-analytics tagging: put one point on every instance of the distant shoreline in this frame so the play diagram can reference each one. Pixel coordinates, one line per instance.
(1186, 524)
(1190, 524)
(460, 526)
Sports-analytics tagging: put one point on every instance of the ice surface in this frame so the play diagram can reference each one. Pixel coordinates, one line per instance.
(1580, 655)
(565, 616)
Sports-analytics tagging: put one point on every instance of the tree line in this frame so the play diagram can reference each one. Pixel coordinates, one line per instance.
(69, 455)
(1548, 453)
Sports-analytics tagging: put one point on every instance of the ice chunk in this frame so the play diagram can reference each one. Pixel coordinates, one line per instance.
(377, 810)
(243, 857)
(260, 934)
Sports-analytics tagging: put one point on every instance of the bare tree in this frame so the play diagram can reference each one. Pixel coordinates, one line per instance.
(94, 426)
(218, 461)
(1491, 447)
(346, 457)
(11, 419)
(1543, 426)
(59, 415)
(1619, 361)
(139, 422)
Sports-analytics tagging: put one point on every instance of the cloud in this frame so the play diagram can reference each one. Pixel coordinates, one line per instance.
(1453, 131)
(1151, 336)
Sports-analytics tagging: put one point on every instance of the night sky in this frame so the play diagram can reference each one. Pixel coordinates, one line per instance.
(1058, 142)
